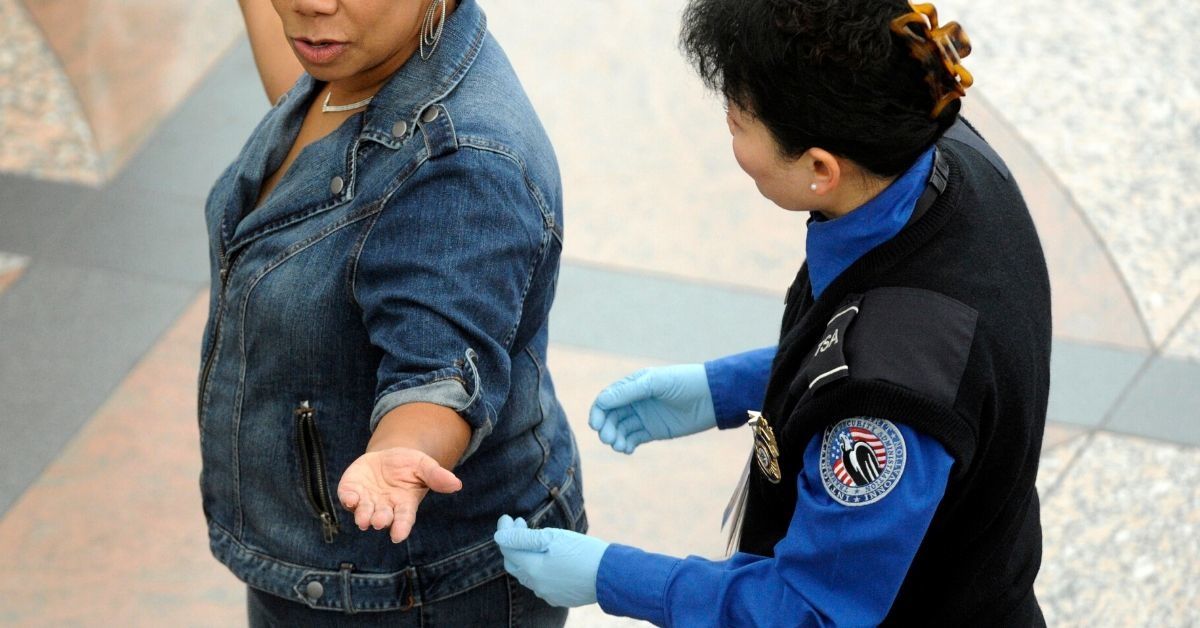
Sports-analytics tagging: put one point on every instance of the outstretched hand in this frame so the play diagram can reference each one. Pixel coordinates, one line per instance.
(653, 404)
(383, 488)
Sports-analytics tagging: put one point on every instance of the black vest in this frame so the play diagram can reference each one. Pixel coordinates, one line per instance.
(945, 328)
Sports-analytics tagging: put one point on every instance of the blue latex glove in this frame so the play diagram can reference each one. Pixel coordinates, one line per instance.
(558, 565)
(654, 404)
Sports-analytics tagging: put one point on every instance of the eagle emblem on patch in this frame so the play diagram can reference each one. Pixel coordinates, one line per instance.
(862, 460)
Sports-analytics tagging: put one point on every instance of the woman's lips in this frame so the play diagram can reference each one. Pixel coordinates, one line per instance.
(318, 53)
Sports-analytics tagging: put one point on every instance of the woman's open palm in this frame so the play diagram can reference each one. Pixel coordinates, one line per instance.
(383, 488)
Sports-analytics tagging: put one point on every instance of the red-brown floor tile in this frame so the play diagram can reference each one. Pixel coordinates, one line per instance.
(7, 278)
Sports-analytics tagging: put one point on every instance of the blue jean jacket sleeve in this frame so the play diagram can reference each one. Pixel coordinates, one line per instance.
(739, 383)
(441, 278)
(816, 576)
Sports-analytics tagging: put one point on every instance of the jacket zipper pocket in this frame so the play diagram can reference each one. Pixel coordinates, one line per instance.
(312, 461)
(219, 313)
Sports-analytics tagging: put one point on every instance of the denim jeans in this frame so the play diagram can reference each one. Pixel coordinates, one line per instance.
(499, 602)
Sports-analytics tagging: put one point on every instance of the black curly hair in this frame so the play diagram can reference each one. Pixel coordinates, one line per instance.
(819, 73)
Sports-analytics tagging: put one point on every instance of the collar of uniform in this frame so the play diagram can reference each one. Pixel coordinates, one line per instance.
(421, 82)
(833, 245)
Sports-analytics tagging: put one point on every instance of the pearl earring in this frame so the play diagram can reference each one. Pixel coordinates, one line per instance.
(813, 187)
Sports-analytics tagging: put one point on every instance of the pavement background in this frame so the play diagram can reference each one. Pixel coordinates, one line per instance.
(117, 115)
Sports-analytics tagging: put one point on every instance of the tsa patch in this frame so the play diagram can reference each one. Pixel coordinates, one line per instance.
(862, 460)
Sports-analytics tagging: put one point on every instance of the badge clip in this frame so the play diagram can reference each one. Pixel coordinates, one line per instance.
(766, 449)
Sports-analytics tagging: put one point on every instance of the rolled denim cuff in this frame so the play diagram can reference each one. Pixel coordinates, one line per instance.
(443, 387)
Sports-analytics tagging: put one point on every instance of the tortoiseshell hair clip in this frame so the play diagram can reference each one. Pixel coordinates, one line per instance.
(940, 50)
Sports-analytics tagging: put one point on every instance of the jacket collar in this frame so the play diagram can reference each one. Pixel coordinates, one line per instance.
(422, 82)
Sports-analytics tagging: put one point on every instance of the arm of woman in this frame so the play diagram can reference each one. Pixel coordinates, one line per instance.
(441, 277)
(278, 67)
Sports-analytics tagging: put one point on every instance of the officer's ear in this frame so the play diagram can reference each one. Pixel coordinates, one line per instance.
(824, 170)
(837, 185)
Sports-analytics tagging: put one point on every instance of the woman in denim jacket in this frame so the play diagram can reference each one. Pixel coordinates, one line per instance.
(384, 254)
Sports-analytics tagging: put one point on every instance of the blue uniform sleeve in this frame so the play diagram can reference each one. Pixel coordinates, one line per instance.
(817, 575)
(738, 383)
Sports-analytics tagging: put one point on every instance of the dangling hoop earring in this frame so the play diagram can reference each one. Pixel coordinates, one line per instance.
(431, 34)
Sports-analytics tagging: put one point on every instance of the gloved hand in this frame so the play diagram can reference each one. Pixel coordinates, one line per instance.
(558, 565)
(654, 404)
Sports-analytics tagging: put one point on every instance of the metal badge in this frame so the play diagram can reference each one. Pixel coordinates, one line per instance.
(766, 450)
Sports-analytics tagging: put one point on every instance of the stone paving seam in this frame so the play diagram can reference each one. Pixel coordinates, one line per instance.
(1155, 354)
(1091, 431)
(1086, 441)
(1166, 402)
(1177, 328)
(1189, 347)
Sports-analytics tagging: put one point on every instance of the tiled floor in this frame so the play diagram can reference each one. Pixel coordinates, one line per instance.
(100, 48)
(671, 256)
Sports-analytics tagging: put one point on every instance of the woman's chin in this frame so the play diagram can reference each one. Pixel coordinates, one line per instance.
(324, 73)
(327, 72)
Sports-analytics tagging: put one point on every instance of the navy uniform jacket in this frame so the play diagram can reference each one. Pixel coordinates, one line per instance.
(907, 476)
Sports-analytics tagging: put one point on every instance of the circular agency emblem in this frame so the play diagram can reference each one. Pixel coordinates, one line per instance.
(862, 460)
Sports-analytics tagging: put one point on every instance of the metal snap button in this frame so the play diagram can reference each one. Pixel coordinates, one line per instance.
(337, 185)
(430, 114)
(314, 590)
(399, 129)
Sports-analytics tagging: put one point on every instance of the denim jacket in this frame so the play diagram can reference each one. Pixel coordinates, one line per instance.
(409, 256)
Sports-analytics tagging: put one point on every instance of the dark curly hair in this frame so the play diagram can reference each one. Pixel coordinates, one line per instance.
(819, 73)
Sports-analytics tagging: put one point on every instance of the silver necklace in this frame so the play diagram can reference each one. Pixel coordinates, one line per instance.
(328, 108)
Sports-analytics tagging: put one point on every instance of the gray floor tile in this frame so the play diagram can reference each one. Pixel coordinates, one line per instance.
(156, 234)
(32, 210)
(197, 143)
(67, 337)
(1086, 380)
(1164, 404)
(1120, 547)
(673, 320)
